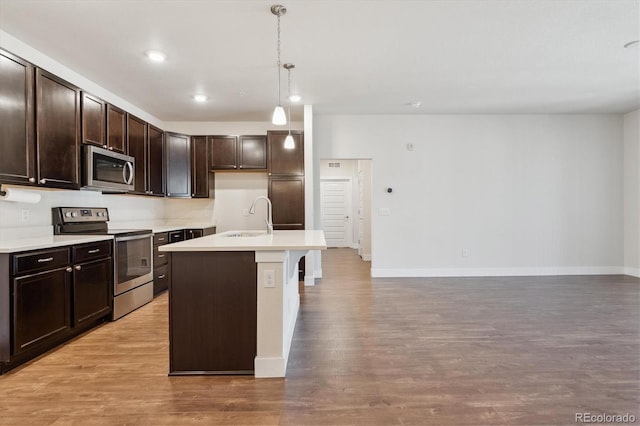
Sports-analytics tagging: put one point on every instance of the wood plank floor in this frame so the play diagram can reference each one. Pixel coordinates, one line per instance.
(454, 351)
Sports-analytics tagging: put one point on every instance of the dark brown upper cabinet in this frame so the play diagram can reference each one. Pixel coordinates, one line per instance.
(116, 129)
(245, 152)
(57, 131)
(18, 159)
(137, 148)
(94, 117)
(287, 197)
(202, 185)
(283, 161)
(155, 161)
(178, 161)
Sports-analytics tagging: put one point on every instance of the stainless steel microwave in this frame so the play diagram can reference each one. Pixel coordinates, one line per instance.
(105, 170)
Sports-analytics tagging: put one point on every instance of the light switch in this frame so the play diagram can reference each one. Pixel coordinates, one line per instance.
(384, 211)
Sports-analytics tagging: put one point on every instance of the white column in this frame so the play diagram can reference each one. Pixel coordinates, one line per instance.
(277, 309)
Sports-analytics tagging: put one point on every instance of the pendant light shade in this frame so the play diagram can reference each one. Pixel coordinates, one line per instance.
(279, 117)
(289, 143)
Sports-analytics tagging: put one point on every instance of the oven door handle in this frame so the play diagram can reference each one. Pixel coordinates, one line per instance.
(128, 166)
(133, 237)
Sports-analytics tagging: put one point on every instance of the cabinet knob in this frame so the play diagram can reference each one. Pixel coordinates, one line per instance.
(69, 269)
(110, 148)
(43, 180)
(168, 194)
(78, 267)
(104, 146)
(240, 166)
(32, 179)
(235, 167)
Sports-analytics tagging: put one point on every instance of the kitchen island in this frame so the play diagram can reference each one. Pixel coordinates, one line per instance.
(233, 301)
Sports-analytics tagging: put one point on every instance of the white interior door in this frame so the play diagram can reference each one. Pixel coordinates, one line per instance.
(335, 203)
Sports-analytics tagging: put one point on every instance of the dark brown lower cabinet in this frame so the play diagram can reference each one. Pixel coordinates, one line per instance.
(92, 290)
(49, 296)
(161, 275)
(41, 309)
(212, 313)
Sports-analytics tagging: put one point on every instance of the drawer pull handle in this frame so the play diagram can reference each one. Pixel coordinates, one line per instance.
(161, 276)
(161, 255)
(45, 259)
(94, 251)
(161, 239)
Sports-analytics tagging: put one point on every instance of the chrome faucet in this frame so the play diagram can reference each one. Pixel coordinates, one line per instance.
(269, 219)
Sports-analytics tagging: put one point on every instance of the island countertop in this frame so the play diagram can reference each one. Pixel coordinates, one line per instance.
(252, 241)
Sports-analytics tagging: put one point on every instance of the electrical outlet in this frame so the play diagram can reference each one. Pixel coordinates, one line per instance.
(465, 252)
(269, 278)
(245, 212)
(24, 215)
(384, 211)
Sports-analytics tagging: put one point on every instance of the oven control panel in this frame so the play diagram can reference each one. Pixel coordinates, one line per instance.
(80, 215)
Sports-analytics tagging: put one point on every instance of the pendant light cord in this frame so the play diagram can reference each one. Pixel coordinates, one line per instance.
(279, 60)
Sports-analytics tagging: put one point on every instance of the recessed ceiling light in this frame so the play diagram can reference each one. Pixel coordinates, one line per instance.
(295, 98)
(200, 98)
(415, 104)
(156, 55)
(631, 43)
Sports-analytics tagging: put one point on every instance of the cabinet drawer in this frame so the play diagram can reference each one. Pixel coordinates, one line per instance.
(36, 261)
(160, 279)
(160, 258)
(91, 251)
(175, 236)
(160, 238)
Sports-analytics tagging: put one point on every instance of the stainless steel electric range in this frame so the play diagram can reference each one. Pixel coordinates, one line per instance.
(132, 254)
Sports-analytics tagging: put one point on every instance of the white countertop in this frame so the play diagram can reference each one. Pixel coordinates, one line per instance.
(24, 244)
(162, 226)
(279, 240)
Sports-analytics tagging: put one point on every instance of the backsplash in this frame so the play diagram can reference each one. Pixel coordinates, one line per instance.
(20, 220)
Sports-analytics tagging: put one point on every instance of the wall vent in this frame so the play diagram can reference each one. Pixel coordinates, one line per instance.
(336, 165)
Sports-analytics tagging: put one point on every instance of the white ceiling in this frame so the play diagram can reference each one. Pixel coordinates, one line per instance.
(351, 56)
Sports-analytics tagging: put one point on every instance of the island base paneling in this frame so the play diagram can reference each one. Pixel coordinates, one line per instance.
(212, 313)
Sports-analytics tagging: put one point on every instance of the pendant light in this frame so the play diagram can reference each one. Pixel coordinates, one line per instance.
(289, 143)
(279, 118)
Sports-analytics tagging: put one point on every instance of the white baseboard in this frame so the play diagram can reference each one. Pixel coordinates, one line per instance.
(317, 273)
(497, 272)
(309, 281)
(270, 366)
(634, 272)
(366, 257)
(355, 246)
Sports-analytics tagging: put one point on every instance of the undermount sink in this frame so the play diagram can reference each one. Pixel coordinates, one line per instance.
(245, 234)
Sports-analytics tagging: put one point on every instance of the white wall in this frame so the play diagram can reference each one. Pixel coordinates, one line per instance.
(632, 193)
(122, 208)
(539, 194)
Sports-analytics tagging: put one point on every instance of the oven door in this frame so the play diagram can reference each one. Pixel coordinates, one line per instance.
(133, 263)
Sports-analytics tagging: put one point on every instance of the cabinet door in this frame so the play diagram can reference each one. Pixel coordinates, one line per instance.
(253, 152)
(92, 289)
(223, 152)
(17, 162)
(199, 167)
(287, 197)
(41, 309)
(155, 171)
(93, 120)
(57, 131)
(284, 161)
(178, 162)
(116, 129)
(137, 142)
